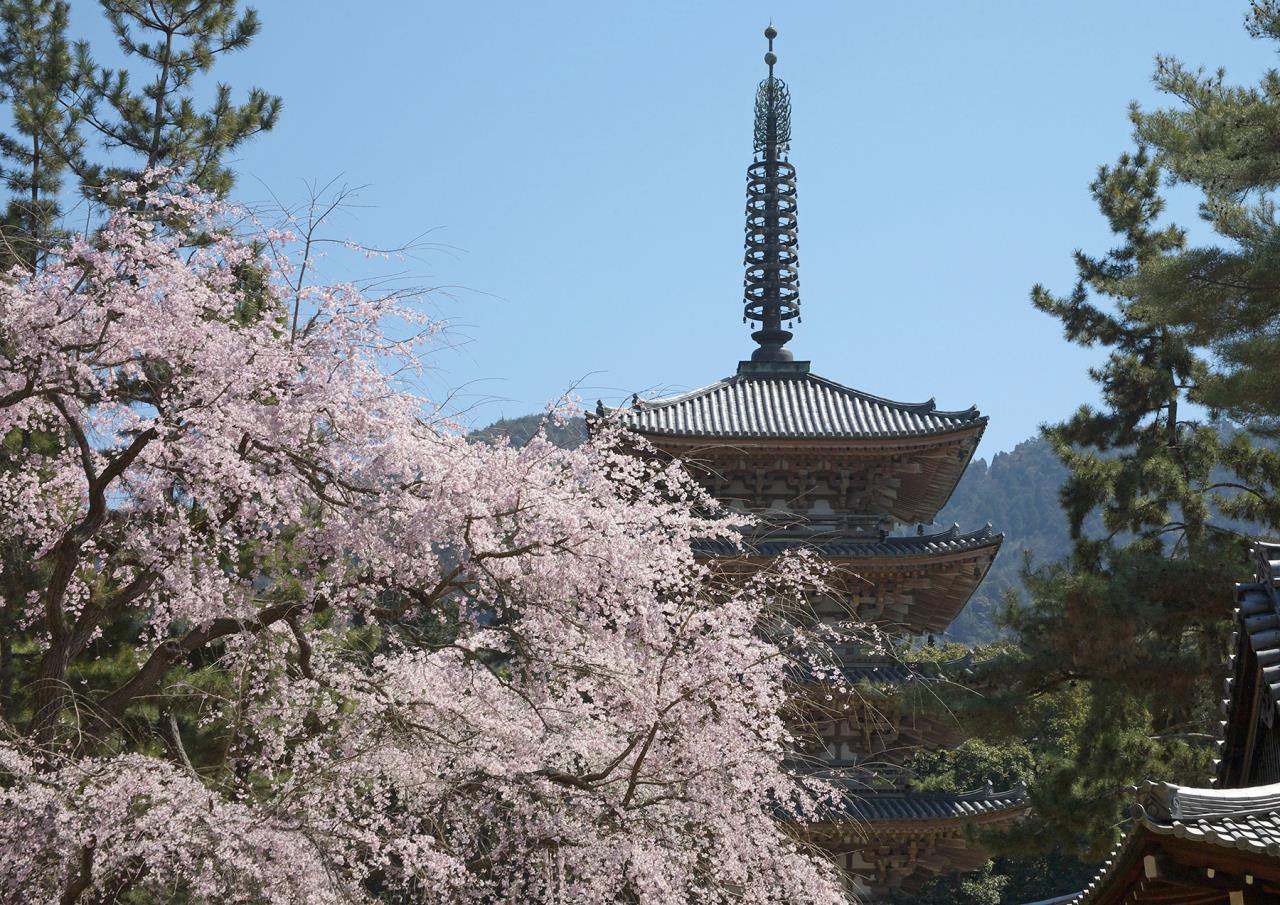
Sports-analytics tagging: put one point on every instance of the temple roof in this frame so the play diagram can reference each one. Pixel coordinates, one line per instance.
(902, 807)
(1216, 815)
(1245, 820)
(1257, 632)
(953, 540)
(791, 404)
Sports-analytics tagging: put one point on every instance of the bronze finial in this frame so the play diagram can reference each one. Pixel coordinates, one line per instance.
(771, 293)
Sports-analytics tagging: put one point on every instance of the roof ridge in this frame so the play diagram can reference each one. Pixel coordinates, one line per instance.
(984, 793)
(637, 401)
(1255, 625)
(799, 406)
(1168, 802)
(928, 407)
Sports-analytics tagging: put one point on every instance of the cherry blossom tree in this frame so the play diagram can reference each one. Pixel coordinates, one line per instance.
(367, 659)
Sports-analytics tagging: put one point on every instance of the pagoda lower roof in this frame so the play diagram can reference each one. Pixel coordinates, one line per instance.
(953, 540)
(928, 807)
(946, 569)
(884, 670)
(790, 403)
(1243, 822)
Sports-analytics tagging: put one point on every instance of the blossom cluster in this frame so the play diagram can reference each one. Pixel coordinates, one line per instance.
(446, 671)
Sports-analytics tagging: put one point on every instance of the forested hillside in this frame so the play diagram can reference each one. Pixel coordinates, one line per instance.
(1017, 492)
(567, 434)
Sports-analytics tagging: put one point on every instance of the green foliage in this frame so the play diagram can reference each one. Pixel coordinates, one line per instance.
(59, 98)
(1005, 881)
(567, 434)
(1110, 673)
(1025, 746)
(35, 80)
(1116, 643)
(1018, 494)
(983, 887)
(179, 40)
(971, 765)
(1219, 140)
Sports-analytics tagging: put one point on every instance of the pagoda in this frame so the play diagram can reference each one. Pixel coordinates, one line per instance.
(854, 478)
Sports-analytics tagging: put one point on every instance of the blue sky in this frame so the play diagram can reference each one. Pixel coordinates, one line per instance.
(584, 163)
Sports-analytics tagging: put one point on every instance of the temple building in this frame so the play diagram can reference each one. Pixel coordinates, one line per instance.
(1218, 845)
(854, 478)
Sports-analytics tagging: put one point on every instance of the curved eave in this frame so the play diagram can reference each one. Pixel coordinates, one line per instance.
(1244, 822)
(910, 549)
(913, 811)
(868, 443)
(794, 404)
(931, 609)
(1114, 881)
(1253, 667)
(928, 407)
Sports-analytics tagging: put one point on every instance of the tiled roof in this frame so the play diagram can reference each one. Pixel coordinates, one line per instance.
(884, 671)
(863, 805)
(1257, 618)
(888, 670)
(791, 405)
(1247, 820)
(952, 540)
(873, 670)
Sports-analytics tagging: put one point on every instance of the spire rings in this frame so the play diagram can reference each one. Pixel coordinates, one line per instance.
(772, 280)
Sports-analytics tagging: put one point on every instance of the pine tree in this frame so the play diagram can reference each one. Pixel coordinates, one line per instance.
(59, 101)
(1219, 140)
(1131, 627)
(160, 127)
(1127, 634)
(35, 79)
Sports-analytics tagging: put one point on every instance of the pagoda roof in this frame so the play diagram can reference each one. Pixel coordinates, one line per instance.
(953, 540)
(917, 807)
(886, 670)
(1245, 821)
(787, 402)
(956, 561)
(871, 670)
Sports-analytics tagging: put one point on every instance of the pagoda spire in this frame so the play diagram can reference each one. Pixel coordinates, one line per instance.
(771, 290)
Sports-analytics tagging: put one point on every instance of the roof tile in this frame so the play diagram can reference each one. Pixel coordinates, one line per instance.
(867, 805)
(796, 405)
(952, 540)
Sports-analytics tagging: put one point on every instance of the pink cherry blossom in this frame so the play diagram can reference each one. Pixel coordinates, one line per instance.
(459, 672)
